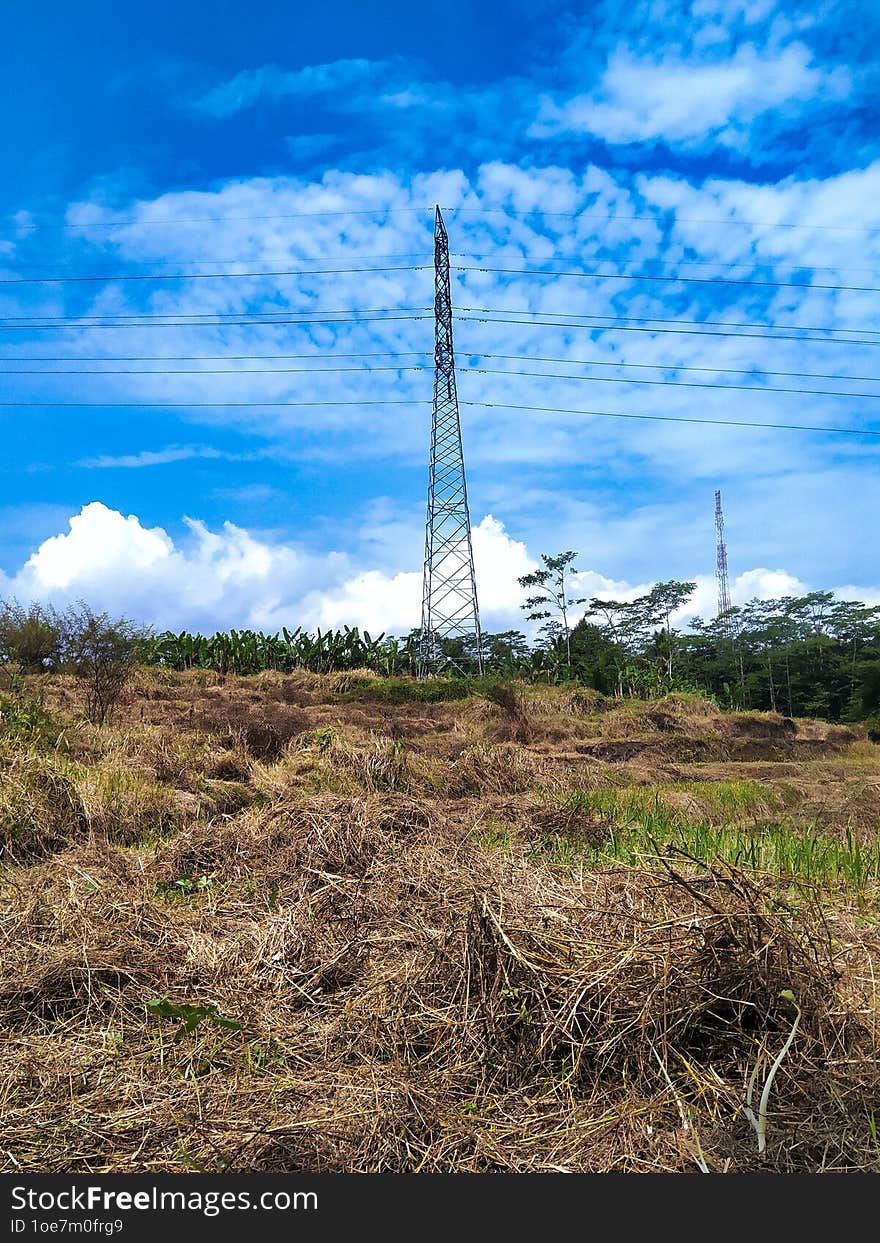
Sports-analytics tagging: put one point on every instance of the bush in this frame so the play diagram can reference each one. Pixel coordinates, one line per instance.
(26, 721)
(102, 652)
(30, 637)
(99, 650)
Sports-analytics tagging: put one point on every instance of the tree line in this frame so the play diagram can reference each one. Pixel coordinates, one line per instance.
(811, 655)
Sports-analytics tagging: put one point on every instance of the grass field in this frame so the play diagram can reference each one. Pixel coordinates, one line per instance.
(336, 923)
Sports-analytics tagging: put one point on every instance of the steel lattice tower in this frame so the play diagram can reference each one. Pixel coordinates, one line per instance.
(449, 593)
(721, 561)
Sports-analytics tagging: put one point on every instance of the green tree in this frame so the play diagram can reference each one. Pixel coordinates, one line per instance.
(550, 601)
(29, 637)
(661, 602)
(632, 625)
(595, 657)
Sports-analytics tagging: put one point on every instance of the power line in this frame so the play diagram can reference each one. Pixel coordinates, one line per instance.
(486, 405)
(508, 213)
(237, 371)
(752, 262)
(689, 280)
(263, 258)
(366, 318)
(282, 316)
(193, 358)
(675, 418)
(598, 362)
(199, 315)
(751, 372)
(653, 319)
(543, 375)
(692, 332)
(607, 379)
(203, 276)
(752, 224)
(257, 315)
(124, 320)
(235, 323)
(187, 405)
(302, 215)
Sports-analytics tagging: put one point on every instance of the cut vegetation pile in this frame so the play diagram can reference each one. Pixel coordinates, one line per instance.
(434, 936)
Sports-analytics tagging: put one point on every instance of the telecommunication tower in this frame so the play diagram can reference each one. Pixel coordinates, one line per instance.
(449, 591)
(721, 561)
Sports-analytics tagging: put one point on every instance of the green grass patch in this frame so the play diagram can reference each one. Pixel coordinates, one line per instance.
(733, 797)
(357, 689)
(404, 690)
(26, 722)
(643, 823)
(495, 837)
(777, 849)
(631, 804)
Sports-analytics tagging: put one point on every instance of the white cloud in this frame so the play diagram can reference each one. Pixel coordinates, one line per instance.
(867, 595)
(155, 457)
(216, 579)
(273, 83)
(757, 584)
(101, 544)
(686, 101)
(231, 577)
(764, 584)
(578, 461)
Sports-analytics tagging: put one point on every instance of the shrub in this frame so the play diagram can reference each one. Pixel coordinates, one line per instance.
(25, 721)
(102, 652)
(30, 637)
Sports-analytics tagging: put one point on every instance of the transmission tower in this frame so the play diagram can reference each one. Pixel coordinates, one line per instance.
(721, 562)
(449, 593)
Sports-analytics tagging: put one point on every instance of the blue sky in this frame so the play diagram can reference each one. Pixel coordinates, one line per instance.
(660, 192)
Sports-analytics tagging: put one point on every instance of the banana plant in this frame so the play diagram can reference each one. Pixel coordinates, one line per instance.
(249, 651)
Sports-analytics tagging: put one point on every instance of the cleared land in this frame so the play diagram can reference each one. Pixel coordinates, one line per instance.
(309, 923)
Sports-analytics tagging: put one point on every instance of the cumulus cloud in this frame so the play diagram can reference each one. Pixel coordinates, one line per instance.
(689, 101)
(100, 542)
(214, 579)
(757, 584)
(231, 577)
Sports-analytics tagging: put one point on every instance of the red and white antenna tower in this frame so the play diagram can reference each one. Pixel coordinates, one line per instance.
(721, 561)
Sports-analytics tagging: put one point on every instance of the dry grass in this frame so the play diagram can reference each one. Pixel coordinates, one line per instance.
(414, 984)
